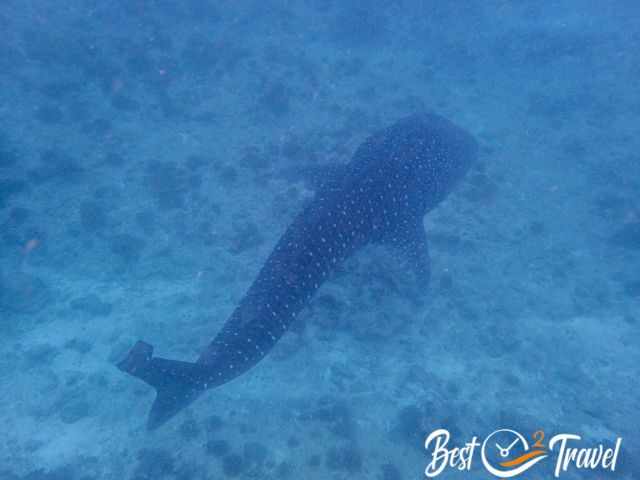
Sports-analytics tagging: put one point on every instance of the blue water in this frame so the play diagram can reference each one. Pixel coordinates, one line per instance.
(153, 152)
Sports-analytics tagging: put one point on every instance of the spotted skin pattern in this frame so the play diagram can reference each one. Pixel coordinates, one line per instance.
(395, 177)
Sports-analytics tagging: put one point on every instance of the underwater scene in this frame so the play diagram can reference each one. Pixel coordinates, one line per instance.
(321, 239)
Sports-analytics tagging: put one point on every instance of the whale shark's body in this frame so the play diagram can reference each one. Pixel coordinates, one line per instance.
(395, 177)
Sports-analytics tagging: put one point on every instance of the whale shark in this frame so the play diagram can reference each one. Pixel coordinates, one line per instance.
(394, 178)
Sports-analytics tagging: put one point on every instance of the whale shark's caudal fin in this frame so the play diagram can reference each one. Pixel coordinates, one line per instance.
(177, 383)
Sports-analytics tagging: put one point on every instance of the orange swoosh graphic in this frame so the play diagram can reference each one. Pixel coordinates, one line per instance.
(523, 458)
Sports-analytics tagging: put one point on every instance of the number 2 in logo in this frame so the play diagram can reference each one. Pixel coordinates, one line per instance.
(538, 437)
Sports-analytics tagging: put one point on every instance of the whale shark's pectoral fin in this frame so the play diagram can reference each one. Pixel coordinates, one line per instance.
(411, 242)
(177, 383)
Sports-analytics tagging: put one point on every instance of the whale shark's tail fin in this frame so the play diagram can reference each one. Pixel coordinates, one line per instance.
(177, 383)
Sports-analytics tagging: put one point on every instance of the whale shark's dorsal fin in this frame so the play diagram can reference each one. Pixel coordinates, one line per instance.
(177, 383)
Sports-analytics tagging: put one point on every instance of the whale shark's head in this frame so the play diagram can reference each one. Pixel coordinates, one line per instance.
(416, 161)
(436, 153)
